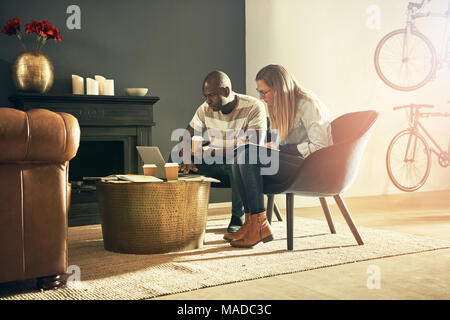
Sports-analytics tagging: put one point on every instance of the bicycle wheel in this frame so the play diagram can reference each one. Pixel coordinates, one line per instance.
(412, 72)
(408, 161)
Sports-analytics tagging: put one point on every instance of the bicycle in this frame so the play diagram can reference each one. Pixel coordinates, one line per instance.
(408, 157)
(405, 59)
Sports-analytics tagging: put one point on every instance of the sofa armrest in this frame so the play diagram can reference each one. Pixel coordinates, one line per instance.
(38, 135)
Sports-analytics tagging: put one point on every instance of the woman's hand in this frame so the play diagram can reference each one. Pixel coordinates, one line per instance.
(271, 145)
(240, 141)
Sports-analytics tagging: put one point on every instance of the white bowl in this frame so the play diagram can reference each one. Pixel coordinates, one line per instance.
(136, 91)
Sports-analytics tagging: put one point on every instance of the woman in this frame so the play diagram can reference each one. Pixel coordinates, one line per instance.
(303, 128)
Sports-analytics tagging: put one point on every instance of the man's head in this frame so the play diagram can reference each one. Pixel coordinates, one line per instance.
(217, 90)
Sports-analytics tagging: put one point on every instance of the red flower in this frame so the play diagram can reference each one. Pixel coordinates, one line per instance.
(12, 27)
(57, 35)
(44, 29)
(54, 34)
(34, 26)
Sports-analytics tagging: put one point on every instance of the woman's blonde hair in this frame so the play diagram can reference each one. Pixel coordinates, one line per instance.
(287, 92)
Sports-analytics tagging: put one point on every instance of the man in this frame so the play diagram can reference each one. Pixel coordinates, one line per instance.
(224, 111)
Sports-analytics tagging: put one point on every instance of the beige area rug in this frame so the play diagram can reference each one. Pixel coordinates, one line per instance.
(108, 275)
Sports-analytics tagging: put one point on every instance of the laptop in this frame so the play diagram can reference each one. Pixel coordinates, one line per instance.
(152, 155)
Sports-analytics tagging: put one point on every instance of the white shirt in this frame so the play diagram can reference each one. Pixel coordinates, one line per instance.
(312, 129)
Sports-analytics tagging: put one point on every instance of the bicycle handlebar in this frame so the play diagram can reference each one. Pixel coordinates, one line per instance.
(417, 106)
(417, 5)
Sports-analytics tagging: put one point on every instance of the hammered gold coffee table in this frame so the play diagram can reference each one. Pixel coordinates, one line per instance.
(157, 217)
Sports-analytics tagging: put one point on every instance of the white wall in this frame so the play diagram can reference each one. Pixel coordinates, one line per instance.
(329, 47)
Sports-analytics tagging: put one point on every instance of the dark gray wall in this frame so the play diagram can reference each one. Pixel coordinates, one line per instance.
(165, 45)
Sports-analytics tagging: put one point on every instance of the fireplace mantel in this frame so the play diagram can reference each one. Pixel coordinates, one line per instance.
(102, 117)
(93, 110)
(128, 120)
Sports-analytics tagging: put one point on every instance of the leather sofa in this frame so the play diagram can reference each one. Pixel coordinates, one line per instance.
(35, 149)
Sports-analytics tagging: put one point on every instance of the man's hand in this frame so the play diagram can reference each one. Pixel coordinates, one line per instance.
(185, 168)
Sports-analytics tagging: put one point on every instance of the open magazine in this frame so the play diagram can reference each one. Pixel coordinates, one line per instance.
(138, 178)
(142, 178)
(124, 177)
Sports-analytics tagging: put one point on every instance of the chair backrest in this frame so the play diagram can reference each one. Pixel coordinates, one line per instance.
(351, 126)
(331, 170)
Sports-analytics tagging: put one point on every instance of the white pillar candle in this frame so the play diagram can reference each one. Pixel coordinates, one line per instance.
(77, 84)
(91, 86)
(101, 81)
(108, 87)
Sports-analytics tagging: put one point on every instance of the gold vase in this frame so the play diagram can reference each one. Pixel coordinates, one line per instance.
(32, 72)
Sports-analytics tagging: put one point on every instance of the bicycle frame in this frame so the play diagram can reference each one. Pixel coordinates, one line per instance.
(410, 26)
(415, 125)
(406, 171)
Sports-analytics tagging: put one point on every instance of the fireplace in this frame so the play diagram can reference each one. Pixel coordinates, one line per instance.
(97, 158)
(111, 128)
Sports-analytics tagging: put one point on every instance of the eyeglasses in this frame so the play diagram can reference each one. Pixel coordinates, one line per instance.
(263, 93)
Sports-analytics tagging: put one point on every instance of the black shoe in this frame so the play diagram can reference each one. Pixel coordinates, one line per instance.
(235, 223)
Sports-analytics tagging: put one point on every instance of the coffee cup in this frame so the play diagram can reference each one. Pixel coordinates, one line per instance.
(171, 171)
(197, 142)
(149, 169)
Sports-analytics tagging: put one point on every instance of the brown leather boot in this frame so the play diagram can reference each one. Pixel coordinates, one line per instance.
(258, 230)
(240, 233)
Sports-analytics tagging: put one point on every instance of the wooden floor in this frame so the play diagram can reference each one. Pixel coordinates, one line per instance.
(414, 276)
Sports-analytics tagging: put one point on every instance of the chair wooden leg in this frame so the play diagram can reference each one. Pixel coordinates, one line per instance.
(270, 202)
(277, 211)
(290, 220)
(348, 218)
(327, 212)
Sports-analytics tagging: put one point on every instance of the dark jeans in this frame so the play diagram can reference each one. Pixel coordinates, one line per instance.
(250, 181)
(223, 172)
